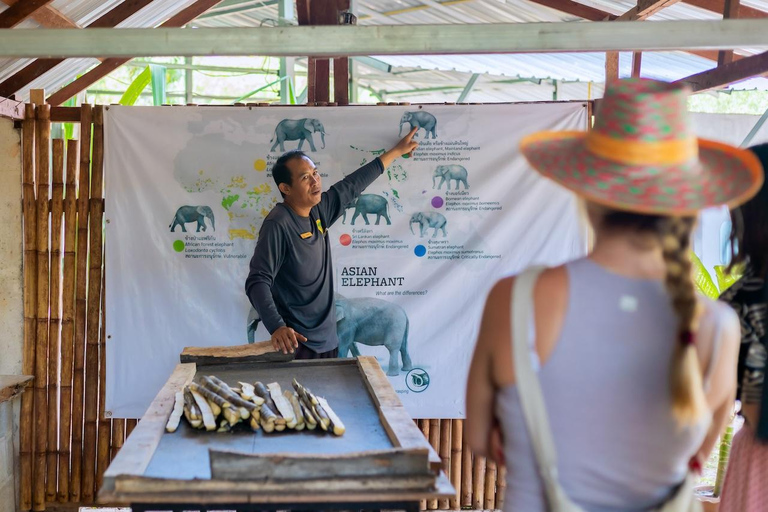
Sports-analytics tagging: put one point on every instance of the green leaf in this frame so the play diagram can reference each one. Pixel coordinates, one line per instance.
(134, 90)
(158, 84)
(726, 279)
(702, 278)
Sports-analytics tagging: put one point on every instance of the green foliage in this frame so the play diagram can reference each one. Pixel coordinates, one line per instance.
(134, 90)
(702, 278)
(158, 84)
(733, 102)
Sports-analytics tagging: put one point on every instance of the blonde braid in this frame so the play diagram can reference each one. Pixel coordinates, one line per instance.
(688, 400)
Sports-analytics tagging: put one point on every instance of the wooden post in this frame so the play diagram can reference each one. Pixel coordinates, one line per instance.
(611, 66)
(118, 437)
(637, 62)
(42, 147)
(457, 436)
(445, 454)
(130, 424)
(80, 305)
(341, 80)
(57, 214)
(730, 10)
(478, 483)
(68, 319)
(30, 303)
(96, 211)
(490, 485)
(466, 476)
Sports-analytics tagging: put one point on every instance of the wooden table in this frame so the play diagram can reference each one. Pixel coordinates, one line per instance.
(381, 462)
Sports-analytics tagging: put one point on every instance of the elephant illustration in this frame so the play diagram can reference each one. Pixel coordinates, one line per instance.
(448, 173)
(428, 220)
(369, 203)
(420, 119)
(297, 129)
(369, 321)
(373, 322)
(192, 214)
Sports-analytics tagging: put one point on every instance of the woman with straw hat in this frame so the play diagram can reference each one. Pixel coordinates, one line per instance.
(602, 381)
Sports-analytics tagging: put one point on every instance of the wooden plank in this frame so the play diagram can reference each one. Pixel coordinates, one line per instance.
(332, 41)
(730, 11)
(48, 17)
(298, 468)
(378, 383)
(42, 150)
(341, 80)
(78, 379)
(637, 62)
(54, 327)
(747, 67)
(26, 421)
(645, 9)
(718, 6)
(576, 9)
(68, 319)
(19, 12)
(37, 68)
(13, 385)
(261, 351)
(11, 109)
(138, 449)
(611, 66)
(108, 65)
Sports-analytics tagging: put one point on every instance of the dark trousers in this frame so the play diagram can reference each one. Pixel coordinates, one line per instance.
(303, 352)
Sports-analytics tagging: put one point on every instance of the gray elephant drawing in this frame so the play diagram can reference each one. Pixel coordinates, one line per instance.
(297, 129)
(368, 204)
(420, 119)
(446, 173)
(192, 214)
(428, 220)
(369, 321)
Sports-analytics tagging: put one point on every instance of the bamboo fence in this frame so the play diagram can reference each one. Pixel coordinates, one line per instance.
(66, 439)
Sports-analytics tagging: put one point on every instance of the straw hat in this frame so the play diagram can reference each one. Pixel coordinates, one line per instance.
(643, 156)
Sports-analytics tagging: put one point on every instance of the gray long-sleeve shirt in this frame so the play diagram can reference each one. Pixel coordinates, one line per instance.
(291, 277)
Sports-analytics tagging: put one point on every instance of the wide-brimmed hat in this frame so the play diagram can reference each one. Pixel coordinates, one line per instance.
(643, 156)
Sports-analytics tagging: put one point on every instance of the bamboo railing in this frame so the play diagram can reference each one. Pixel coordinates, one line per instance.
(66, 439)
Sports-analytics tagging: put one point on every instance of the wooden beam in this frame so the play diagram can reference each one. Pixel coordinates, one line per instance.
(718, 6)
(387, 40)
(645, 9)
(48, 16)
(637, 59)
(611, 66)
(109, 65)
(19, 12)
(39, 67)
(721, 76)
(11, 108)
(730, 11)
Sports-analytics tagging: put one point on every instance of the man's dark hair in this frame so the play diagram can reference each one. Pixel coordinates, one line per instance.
(280, 171)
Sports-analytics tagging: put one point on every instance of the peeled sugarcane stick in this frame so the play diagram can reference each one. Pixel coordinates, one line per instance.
(178, 408)
(305, 391)
(262, 391)
(221, 388)
(224, 407)
(205, 409)
(224, 426)
(247, 393)
(294, 400)
(268, 426)
(336, 424)
(191, 411)
(309, 409)
(312, 403)
(283, 405)
(254, 422)
(309, 418)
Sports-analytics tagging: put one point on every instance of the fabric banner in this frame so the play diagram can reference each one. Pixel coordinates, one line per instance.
(413, 258)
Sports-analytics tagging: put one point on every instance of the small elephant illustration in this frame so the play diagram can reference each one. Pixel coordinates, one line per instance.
(448, 173)
(192, 214)
(369, 203)
(420, 119)
(373, 322)
(428, 220)
(297, 129)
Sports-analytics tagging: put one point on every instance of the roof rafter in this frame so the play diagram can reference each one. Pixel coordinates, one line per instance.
(645, 9)
(108, 65)
(718, 6)
(37, 68)
(20, 11)
(721, 76)
(48, 16)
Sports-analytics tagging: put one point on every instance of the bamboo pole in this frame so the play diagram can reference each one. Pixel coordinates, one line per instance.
(501, 486)
(80, 304)
(43, 134)
(490, 485)
(457, 435)
(104, 425)
(96, 211)
(57, 213)
(424, 427)
(434, 440)
(466, 476)
(445, 455)
(118, 437)
(68, 319)
(478, 483)
(30, 304)
(130, 424)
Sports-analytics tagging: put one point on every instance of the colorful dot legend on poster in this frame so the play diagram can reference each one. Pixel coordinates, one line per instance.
(345, 239)
(178, 246)
(420, 251)
(437, 202)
